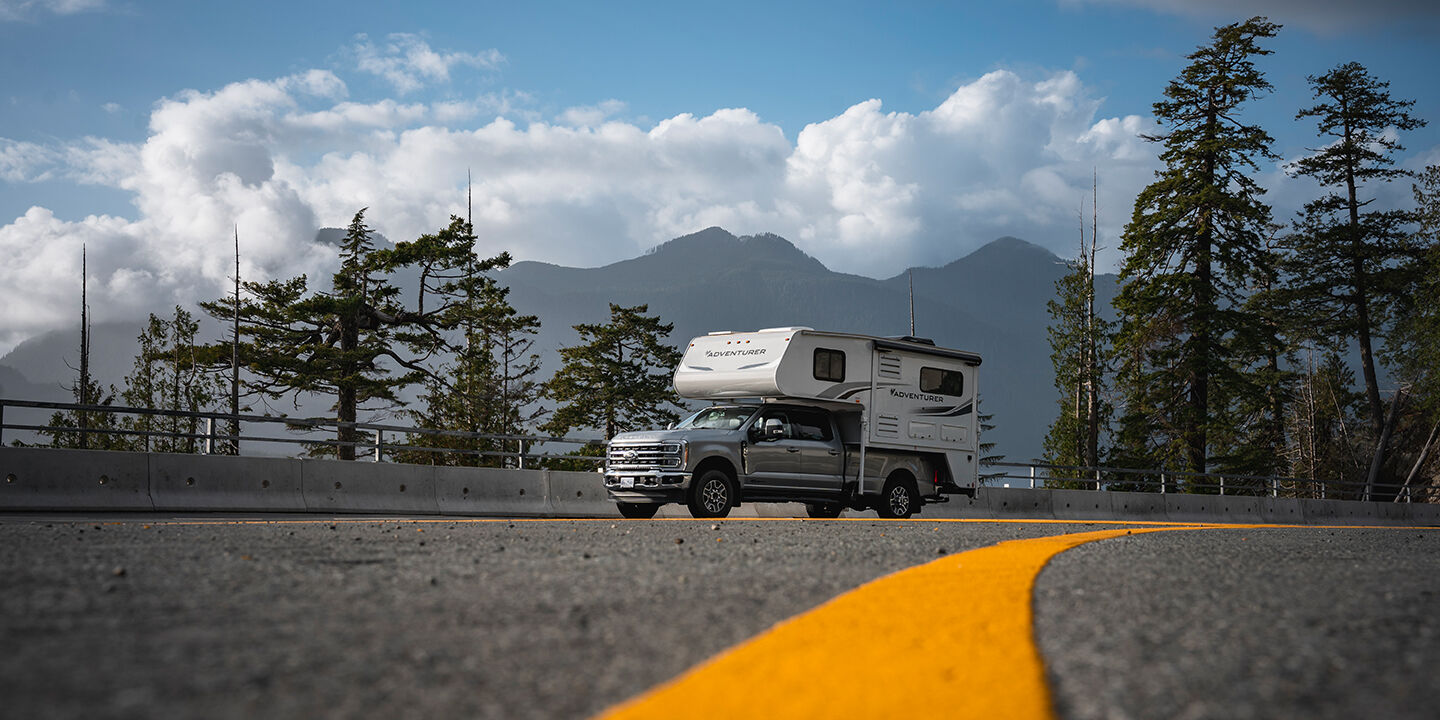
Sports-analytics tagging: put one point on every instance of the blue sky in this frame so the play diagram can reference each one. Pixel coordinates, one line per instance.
(873, 135)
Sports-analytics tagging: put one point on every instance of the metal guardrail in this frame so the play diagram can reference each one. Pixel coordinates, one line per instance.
(211, 440)
(1045, 476)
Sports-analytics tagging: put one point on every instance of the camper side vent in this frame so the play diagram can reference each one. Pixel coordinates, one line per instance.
(887, 425)
(890, 366)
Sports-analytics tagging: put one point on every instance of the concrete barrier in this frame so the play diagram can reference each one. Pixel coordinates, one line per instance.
(579, 494)
(1183, 507)
(1017, 503)
(216, 482)
(1149, 507)
(348, 486)
(46, 479)
(1320, 512)
(1081, 505)
(1238, 509)
(1283, 511)
(491, 491)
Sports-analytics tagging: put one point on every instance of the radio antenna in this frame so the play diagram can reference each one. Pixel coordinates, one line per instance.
(911, 272)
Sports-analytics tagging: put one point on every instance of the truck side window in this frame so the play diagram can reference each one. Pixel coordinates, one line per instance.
(829, 365)
(945, 382)
(811, 425)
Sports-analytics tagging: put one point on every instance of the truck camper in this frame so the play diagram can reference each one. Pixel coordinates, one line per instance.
(832, 420)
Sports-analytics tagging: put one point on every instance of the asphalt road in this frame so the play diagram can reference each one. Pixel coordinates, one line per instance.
(386, 618)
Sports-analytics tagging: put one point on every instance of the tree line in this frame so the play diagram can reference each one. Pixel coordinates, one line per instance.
(361, 344)
(1237, 337)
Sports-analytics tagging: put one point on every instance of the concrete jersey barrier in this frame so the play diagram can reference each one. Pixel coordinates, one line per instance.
(94, 480)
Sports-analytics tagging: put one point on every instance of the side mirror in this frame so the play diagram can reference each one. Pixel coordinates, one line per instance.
(774, 429)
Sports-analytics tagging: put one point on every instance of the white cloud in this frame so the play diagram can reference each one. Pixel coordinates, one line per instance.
(12, 10)
(868, 191)
(408, 63)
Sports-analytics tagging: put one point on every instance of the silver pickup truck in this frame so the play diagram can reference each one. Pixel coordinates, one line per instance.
(724, 455)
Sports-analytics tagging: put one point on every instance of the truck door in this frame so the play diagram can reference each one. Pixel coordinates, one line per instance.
(773, 463)
(821, 456)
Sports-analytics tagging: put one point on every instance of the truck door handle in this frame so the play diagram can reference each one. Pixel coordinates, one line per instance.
(792, 449)
(834, 452)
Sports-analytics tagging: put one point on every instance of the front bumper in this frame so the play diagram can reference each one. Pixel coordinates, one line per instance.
(647, 486)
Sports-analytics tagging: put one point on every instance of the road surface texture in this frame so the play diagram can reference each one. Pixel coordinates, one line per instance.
(401, 618)
(1245, 623)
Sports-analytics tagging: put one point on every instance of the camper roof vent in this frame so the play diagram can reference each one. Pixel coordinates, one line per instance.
(722, 332)
(784, 329)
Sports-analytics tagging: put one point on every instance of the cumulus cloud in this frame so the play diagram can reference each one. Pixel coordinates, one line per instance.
(408, 63)
(869, 191)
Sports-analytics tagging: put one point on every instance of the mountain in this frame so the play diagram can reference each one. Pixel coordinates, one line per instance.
(991, 301)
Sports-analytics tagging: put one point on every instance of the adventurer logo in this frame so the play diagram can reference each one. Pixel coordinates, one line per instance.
(915, 396)
(734, 353)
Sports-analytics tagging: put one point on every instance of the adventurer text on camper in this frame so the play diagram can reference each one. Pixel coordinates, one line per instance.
(915, 396)
(733, 353)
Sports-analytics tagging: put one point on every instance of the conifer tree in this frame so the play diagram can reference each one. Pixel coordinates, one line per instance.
(1350, 262)
(1080, 353)
(1195, 242)
(169, 374)
(618, 378)
(357, 342)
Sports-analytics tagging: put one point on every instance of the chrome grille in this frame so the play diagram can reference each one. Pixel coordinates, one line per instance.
(656, 455)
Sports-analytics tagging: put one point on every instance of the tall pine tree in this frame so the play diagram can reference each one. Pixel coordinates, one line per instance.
(618, 378)
(1349, 261)
(1195, 242)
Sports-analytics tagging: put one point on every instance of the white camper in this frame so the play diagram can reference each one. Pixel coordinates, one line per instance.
(832, 420)
(914, 396)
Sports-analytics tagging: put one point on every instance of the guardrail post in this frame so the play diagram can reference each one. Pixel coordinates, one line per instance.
(379, 444)
(1097, 480)
(2, 424)
(208, 447)
(1222, 484)
(1032, 477)
(1162, 482)
(520, 459)
(1274, 486)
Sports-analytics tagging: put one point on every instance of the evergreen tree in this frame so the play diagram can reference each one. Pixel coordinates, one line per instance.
(988, 456)
(1415, 350)
(350, 343)
(1194, 243)
(618, 378)
(489, 386)
(1349, 262)
(1080, 354)
(169, 375)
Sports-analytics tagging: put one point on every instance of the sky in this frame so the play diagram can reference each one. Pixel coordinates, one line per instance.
(875, 136)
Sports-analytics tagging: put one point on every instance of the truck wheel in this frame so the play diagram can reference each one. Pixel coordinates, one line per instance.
(638, 511)
(898, 499)
(712, 494)
(823, 510)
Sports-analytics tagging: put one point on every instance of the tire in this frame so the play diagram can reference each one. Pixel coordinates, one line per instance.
(899, 498)
(711, 495)
(823, 510)
(638, 511)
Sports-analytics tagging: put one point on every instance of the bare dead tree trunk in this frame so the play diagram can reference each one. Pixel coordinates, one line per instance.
(1419, 461)
(1378, 458)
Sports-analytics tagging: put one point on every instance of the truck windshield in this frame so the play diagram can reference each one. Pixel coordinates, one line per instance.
(718, 418)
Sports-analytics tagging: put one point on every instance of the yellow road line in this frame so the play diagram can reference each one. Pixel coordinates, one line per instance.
(952, 638)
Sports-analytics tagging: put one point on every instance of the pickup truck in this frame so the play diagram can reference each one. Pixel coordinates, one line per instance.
(724, 455)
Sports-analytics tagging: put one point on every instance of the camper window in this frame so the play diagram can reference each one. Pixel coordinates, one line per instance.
(945, 382)
(829, 365)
